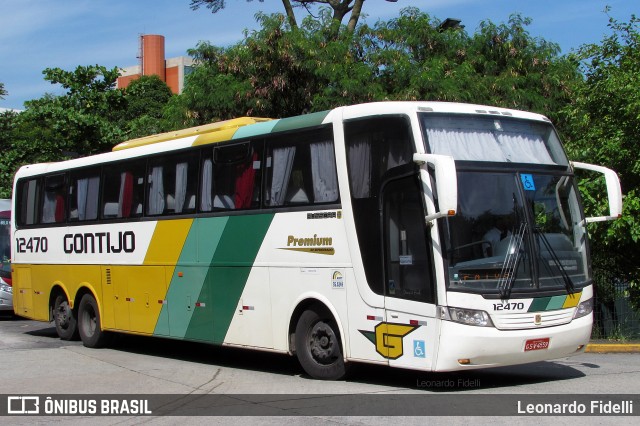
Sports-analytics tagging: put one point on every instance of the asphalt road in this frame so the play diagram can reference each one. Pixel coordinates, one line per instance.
(33, 360)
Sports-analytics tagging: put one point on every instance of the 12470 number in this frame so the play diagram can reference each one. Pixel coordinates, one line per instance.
(32, 245)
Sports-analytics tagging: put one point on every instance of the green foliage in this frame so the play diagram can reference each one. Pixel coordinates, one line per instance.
(603, 126)
(3, 92)
(281, 71)
(84, 120)
(90, 117)
(7, 135)
(146, 98)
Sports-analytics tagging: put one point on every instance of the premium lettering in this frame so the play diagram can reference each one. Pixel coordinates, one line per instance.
(100, 242)
(309, 242)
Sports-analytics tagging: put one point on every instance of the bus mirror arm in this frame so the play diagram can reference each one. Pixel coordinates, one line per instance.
(446, 183)
(614, 192)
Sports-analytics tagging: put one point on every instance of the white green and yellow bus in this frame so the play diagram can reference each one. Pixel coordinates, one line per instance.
(421, 235)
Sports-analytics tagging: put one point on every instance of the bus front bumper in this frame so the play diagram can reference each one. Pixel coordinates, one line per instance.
(468, 347)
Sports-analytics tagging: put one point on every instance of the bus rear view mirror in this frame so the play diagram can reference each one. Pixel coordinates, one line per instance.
(614, 192)
(446, 182)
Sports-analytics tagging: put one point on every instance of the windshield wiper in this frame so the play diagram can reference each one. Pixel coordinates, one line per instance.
(568, 283)
(511, 263)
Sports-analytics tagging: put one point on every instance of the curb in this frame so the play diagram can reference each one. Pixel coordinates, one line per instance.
(607, 348)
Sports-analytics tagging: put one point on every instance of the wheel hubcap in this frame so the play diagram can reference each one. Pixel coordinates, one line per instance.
(62, 315)
(322, 341)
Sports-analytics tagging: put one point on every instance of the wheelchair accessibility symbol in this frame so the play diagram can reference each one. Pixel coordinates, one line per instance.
(418, 349)
(527, 182)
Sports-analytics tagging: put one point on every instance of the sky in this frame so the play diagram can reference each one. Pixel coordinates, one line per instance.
(39, 34)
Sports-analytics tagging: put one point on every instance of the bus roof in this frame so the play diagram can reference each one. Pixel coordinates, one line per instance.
(247, 127)
(222, 130)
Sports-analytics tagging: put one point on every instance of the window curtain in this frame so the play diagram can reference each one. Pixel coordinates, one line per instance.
(125, 198)
(88, 198)
(49, 207)
(485, 145)
(206, 199)
(520, 147)
(156, 191)
(463, 144)
(282, 164)
(359, 156)
(323, 172)
(181, 186)
(244, 183)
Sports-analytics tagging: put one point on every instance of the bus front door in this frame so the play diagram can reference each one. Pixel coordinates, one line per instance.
(410, 338)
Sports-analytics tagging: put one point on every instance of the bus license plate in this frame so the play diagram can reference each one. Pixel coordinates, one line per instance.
(536, 344)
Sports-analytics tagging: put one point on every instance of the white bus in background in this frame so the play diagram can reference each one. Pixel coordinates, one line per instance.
(421, 235)
(6, 291)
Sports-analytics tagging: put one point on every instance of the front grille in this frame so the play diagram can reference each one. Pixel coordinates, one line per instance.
(525, 320)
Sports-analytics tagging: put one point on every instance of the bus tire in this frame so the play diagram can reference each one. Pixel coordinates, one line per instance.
(318, 346)
(64, 319)
(89, 325)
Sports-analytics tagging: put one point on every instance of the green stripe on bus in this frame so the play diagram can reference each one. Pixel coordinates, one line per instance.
(301, 121)
(184, 291)
(227, 276)
(257, 129)
(539, 304)
(556, 302)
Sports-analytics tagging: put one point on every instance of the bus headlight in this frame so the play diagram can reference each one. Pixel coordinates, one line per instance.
(584, 308)
(466, 316)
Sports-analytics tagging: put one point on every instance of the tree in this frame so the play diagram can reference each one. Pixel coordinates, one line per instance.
(3, 92)
(501, 64)
(276, 71)
(341, 8)
(87, 119)
(604, 128)
(7, 136)
(145, 99)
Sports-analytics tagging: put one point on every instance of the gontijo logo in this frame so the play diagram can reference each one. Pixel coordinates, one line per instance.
(387, 337)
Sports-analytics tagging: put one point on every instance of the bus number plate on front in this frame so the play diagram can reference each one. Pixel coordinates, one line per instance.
(536, 344)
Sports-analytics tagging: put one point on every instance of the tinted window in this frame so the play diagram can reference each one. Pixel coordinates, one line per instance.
(172, 185)
(54, 199)
(301, 170)
(84, 194)
(123, 190)
(374, 146)
(28, 194)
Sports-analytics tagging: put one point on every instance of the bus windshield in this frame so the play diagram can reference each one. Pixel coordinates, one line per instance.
(515, 231)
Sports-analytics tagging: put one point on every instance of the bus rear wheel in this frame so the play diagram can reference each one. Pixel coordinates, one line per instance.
(89, 323)
(318, 346)
(64, 319)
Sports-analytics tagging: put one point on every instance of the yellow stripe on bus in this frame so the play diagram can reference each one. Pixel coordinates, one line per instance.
(572, 300)
(167, 242)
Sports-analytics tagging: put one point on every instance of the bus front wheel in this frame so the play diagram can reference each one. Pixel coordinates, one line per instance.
(64, 319)
(318, 346)
(89, 326)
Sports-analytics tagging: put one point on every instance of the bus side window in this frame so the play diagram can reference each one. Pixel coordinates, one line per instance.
(84, 188)
(53, 202)
(123, 190)
(28, 194)
(236, 176)
(172, 183)
(301, 170)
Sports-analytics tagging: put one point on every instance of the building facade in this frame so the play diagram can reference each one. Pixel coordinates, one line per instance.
(152, 62)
